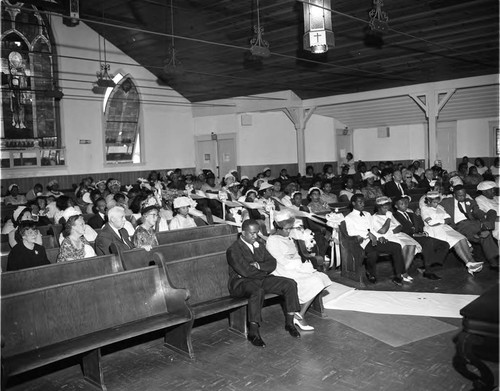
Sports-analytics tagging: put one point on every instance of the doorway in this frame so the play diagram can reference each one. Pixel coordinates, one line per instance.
(216, 152)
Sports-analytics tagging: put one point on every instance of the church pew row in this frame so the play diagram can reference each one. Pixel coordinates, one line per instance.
(182, 235)
(206, 278)
(59, 273)
(49, 324)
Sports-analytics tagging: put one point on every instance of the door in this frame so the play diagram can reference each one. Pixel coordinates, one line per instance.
(226, 153)
(344, 143)
(216, 152)
(206, 151)
(446, 133)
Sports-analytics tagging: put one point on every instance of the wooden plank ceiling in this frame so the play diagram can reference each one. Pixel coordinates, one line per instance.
(429, 40)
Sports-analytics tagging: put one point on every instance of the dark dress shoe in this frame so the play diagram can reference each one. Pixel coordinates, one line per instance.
(371, 278)
(397, 281)
(431, 276)
(256, 340)
(292, 330)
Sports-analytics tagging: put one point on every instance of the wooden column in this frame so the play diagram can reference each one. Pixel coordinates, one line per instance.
(299, 116)
(431, 103)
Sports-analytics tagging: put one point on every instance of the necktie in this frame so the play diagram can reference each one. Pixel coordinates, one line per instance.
(125, 238)
(461, 209)
(361, 214)
(407, 216)
(400, 188)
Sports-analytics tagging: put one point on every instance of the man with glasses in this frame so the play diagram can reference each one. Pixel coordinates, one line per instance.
(396, 187)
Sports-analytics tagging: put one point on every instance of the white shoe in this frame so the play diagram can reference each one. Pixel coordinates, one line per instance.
(474, 267)
(406, 277)
(300, 323)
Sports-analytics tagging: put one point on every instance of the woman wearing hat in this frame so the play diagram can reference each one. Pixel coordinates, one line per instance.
(435, 219)
(289, 264)
(22, 213)
(316, 204)
(53, 189)
(74, 245)
(181, 218)
(14, 198)
(27, 252)
(371, 191)
(385, 224)
(145, 234)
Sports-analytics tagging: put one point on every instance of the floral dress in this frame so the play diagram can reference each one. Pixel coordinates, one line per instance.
(69, 252)
(144, 237)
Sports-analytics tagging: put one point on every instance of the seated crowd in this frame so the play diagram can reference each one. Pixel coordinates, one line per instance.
(105, 212)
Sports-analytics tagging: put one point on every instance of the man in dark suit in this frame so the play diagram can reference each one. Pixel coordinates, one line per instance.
(99, 218)
(470, 221)
(433, 250)
(250, 265)
(396, 187)
(427, 182)
(113, 233)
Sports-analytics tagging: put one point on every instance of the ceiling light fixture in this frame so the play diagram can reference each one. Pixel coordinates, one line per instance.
(173, 66)
(378, 18)
(259, 46)
(104, 79)
(318, 36)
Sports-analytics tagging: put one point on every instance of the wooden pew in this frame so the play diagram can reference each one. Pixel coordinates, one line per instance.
(136, 258)
(206, 277)
(49, 324)
(181, 235)
(59, 273)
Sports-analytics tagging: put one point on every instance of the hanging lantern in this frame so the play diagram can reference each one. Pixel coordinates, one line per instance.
(318, 36)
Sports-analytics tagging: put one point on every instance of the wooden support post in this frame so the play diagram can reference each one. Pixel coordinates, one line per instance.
(431, 103)
(299, 116)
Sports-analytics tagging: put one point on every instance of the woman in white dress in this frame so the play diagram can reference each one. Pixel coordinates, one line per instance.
(435, 219)
(385, 224)
(289, 264)
(182, 219)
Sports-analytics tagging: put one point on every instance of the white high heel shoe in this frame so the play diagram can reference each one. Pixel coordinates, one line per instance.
(298, 321)
(474, 267)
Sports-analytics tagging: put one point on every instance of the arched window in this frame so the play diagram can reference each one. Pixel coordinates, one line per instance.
(122, 122)
(29, 105)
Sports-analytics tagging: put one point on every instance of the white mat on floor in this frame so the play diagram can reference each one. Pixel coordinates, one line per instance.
(341, 297)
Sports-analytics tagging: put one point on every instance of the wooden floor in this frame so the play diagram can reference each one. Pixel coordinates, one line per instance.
(333, 357)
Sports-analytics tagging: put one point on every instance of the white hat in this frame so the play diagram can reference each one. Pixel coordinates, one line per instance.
(250, 191)
(486, 185)
(233, 184)
(283, 215)
(228, 176)
(86, 198)
(456, 180)
(383, 200)
(100, 181)
(368, 175)
(18, 211)
(70, 212)
(244, 177)
(312, 189)
(179, 202)
(433, 194)
(265, 185)
(13, 185)
(295, 192)
(266, 169)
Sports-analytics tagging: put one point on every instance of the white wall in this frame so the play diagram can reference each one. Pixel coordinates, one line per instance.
(168, 129)
(271, 138)
(405, 142)
(473, 137)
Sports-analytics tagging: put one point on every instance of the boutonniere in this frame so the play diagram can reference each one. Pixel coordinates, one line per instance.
(467, 203)
(256, 245)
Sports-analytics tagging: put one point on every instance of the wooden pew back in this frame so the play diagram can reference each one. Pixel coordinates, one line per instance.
(206, 277)
(136, 258)
(59, 273)
(181, 235)
(49, 316)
